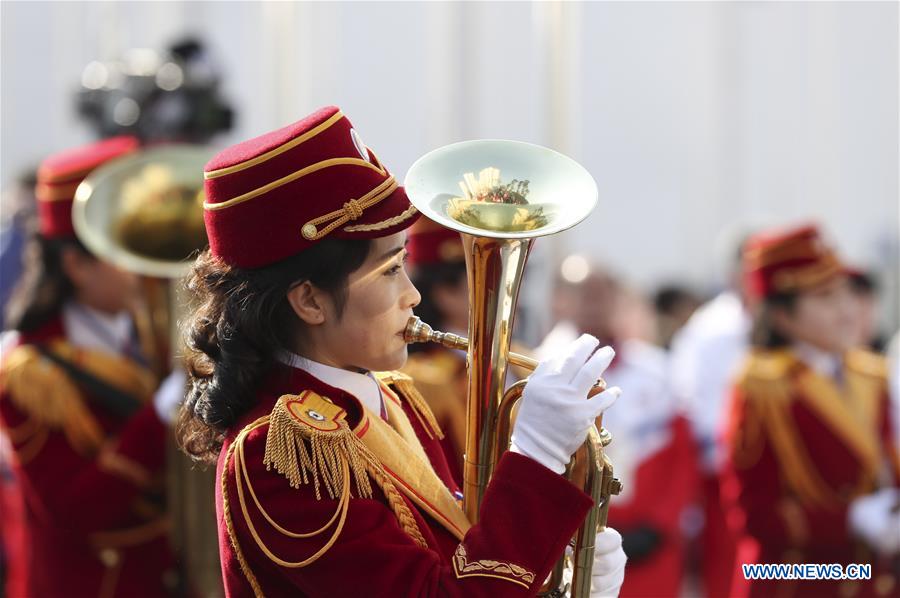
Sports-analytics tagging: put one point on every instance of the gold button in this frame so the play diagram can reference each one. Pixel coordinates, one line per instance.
(309, 231)
(848, 589)
(884, 584)
(109, 557)
(315, 415)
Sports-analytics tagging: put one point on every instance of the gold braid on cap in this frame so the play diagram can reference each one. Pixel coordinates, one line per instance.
(350, 211)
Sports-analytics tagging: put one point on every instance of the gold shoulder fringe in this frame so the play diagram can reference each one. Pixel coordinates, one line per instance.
(41, 389)
(407, 389)
(309, 439)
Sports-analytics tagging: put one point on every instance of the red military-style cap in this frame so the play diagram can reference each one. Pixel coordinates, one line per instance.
(60, 174)
(275, 195)
(431, 243)
(788, 261)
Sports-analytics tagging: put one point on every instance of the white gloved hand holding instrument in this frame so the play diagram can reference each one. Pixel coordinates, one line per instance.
(555, 414)
(553, 422)
(608, 571)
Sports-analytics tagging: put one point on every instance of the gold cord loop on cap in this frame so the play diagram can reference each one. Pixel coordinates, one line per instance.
(351, 210)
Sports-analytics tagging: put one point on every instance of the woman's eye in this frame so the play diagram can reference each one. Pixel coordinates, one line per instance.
(396, 268)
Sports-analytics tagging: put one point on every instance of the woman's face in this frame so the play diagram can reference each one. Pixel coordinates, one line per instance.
(368, 334)
(823, 317)
(99, 284)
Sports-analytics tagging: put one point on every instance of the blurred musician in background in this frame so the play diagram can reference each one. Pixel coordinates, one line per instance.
(705, 357)
(652, 449)
(812, 471)
(81, 411)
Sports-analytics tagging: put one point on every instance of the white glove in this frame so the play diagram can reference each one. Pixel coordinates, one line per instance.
(875, 518)
(555, 413)
(608, 571)
(170, 395)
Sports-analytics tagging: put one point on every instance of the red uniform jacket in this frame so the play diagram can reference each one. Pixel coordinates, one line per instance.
(292, 523)
(800, 449)
(90, 480)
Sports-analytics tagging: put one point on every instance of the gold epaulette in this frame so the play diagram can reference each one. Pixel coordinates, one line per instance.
(406, 388)
(765, 374)
(309, 441)
(42, 390)
(767, 365)
(867, 363)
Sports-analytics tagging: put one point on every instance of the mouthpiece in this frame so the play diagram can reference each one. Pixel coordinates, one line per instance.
(418, 331)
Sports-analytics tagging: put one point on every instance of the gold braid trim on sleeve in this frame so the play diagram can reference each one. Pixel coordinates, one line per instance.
(463, 567)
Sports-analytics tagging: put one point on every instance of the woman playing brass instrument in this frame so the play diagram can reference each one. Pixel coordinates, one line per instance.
(81, 411)
(331, 479)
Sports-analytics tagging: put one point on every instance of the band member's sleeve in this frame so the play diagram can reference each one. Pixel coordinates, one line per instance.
(86, 492)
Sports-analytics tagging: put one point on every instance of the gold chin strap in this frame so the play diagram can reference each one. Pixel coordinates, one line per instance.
(350, 211)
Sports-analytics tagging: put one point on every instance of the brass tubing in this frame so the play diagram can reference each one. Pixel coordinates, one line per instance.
(504, 416)
(494, 270)
(583, 556)
(418, 331)
(600, 485)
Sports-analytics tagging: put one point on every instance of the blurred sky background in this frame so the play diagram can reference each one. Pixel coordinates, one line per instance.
(700, 121)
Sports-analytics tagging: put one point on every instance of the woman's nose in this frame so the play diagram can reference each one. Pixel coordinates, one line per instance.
(414, 297)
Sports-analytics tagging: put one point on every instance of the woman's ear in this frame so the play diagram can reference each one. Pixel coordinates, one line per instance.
(308, 302)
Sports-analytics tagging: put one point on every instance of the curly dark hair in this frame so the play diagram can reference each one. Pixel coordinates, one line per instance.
(241, 320)
(764, 334)
(44, 287)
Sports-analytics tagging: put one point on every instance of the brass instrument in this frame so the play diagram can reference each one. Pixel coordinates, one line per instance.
(501, 195)
(144, 213)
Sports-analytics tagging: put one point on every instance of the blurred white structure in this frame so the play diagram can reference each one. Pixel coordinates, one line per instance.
(697, 119)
